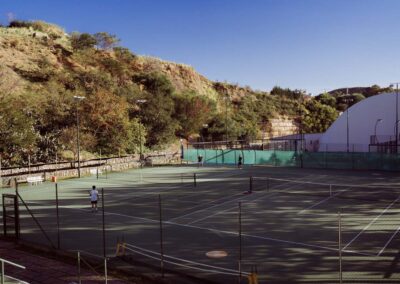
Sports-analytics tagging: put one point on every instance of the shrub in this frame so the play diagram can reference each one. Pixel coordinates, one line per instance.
(19, 24)
(82, 41)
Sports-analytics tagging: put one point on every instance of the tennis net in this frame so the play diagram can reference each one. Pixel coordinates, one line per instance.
(349, 191)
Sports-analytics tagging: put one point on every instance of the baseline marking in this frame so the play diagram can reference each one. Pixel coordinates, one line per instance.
(322, 201)
(230, 233)
(373, 221)
(388, 242)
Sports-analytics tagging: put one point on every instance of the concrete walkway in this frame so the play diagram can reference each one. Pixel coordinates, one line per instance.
(40, 269)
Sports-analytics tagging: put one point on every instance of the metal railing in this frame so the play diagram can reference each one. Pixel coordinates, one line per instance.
(94, 268)
(2, 269)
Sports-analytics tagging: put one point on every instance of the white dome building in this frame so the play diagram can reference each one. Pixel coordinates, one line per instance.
(355, 129)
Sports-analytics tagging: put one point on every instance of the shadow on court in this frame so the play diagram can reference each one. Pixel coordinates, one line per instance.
(289, 231)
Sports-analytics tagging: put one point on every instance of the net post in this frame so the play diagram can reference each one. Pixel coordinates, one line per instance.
(16, 186)
(4, 217)
(340, 246)
(2, 272)
(58, 218)
(104, 225)
(194, 180)
(79, 268)
(161, 238)
(105, 271)
(240, 242)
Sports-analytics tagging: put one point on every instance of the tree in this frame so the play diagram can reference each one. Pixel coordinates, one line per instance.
(82, 41)
(105, 116)
(105, 40)
(192, 112)
(318, 117)
(157, 113)
(17, 133)
(327, 99)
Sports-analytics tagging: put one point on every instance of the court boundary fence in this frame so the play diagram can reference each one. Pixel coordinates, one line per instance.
(297, 159)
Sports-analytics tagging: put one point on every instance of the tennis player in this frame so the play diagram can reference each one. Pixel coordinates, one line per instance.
(240, 161)
(94, 196)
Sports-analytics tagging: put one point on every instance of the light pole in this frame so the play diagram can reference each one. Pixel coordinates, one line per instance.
(78, 99)
(226, 120)
(142, 101)
(376, 124)
(397, 112)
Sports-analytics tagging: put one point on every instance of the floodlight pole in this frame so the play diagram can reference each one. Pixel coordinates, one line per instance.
(140, 128)
(376, 125)
(226, 120)
(78, 98)
(347, 119)
(397, 114)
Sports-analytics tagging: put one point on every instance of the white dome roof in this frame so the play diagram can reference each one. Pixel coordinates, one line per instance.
(362, 119)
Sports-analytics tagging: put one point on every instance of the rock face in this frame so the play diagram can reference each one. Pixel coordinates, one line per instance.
(30, 58)
(281, 126)
(183, 77)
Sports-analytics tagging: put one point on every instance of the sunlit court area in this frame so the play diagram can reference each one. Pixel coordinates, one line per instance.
(218, 223)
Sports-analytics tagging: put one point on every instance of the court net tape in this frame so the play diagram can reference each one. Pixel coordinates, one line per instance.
(350, 191)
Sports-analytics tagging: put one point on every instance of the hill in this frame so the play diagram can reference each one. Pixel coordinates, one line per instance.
(131, 102)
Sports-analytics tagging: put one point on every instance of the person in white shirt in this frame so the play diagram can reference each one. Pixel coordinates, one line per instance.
(94, 196)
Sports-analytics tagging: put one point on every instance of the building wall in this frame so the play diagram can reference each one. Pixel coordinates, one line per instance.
(362, 118)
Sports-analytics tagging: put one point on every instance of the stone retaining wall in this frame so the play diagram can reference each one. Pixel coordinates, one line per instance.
(70, 169)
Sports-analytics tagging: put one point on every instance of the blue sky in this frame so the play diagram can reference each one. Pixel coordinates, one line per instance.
(314, 45)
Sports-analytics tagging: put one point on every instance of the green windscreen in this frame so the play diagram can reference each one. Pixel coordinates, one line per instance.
(323, 160)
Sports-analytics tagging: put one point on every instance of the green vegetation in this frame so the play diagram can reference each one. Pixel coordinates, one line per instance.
(129, 99)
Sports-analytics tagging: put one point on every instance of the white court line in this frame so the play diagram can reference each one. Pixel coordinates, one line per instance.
(231, 233)
(268, 194)
(322, 201)
(200, 210)
(388, 242)
(268, 238)
(373, 221)
(219, 212)
(116, 214)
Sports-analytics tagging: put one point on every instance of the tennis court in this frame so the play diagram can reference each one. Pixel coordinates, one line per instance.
(288, 222)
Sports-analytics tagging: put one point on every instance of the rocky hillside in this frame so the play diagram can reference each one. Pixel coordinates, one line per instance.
(131, 102)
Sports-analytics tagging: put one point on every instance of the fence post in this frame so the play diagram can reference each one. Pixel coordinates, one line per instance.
(104, 226)
(325, 156)
(251, 185)
(194, 180)
(161, 238)
(2, 272)
(58, 219)
(240, 242)
(340, 246)
(105, 270)
(79, 268)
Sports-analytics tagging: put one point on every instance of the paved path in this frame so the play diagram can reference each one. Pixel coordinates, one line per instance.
(44, 270)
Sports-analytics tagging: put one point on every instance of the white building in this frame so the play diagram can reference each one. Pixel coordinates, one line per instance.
(371, 121)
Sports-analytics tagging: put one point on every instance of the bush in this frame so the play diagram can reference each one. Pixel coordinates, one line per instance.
(19, 24)
(82, 41)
